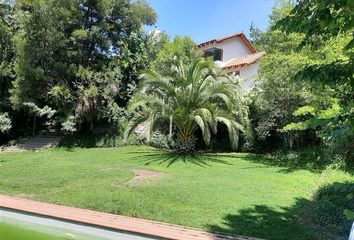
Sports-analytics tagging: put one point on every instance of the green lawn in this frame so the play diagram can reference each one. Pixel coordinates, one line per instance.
(231, 193)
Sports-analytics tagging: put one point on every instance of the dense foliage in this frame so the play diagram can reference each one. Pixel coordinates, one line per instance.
(179, 49)
(327, 25)
(196, 96)
(294, 109)
(334, 207)
(72, 66)
(275, 97)
(80, 58)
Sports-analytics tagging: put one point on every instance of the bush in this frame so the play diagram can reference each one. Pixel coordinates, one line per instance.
(331, 203)
(314, 159)
(92, 140)
(164, 142)
(184, 146)
(161, 141)
(5, 122)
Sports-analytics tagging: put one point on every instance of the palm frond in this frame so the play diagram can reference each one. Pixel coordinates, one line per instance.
(197, 96)
(151, 127)
(133, 123)
(232, 129)
(203, 125)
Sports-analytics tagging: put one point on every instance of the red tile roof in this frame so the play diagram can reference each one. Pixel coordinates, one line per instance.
(240, 35)
(242, 61)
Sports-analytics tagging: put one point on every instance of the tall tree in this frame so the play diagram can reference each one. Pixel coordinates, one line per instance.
(6, 52)
(180, 48)
(275, 96)
(136, 54)
(323, 23)
(195, 97)
(55, 40)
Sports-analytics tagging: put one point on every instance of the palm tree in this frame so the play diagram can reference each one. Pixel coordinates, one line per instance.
(198, 96)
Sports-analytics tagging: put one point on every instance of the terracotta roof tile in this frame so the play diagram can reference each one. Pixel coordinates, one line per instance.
(219, 39)
(240, 35)
(241, 61)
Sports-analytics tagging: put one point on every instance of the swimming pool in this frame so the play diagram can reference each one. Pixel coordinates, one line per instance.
(15, 225)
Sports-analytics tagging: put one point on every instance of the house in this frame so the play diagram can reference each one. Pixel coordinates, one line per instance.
(234, 54)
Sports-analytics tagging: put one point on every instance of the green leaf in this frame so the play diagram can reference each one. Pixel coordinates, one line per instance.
(348, 214)
(305, 110)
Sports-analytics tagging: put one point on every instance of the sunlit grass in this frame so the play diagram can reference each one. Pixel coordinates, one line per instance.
(232, 193)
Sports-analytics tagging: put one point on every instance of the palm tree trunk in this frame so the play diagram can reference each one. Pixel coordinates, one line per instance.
(170, 134)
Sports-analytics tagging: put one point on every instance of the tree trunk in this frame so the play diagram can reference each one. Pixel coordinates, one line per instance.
(170, 134)
(285, 135)
(91, 125)
(291, 141)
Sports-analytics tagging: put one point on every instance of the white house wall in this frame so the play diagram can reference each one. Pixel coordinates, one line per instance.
(248, 75)
(231, 48)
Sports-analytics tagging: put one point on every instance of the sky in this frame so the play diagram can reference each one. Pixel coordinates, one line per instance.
(203, 20)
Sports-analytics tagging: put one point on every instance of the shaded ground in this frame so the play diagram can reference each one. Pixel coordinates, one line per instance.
(270, 223)
(171, 158)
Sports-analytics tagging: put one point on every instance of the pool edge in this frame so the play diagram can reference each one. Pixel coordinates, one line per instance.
(111, 221)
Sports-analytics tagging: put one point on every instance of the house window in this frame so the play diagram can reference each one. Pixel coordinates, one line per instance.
(237, 73)
(214, 53)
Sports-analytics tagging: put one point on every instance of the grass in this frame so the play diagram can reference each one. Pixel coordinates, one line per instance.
(230, 193)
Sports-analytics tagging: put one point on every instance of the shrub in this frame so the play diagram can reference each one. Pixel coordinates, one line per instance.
(311, 158)
(69, 126)
(5, 122)
(92, 140)
(164, 142)
(161, 141)
(331, 203)
(186, 146)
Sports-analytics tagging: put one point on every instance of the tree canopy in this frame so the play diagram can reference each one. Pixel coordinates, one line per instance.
(281, 94)
(327, 25)
(79, 57)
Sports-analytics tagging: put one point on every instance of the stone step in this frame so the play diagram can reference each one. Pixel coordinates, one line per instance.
(34, 143)
(42, 140)
(46, 138)
(38, 142)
